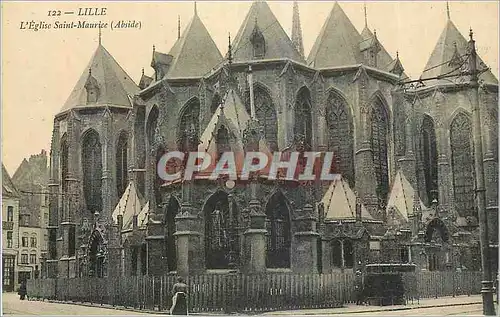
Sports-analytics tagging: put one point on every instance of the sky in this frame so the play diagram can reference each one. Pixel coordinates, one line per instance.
(40, 69)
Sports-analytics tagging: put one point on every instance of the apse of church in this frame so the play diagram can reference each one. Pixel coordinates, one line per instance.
(406, 194)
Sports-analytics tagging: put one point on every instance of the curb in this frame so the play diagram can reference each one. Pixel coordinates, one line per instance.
(407, 308)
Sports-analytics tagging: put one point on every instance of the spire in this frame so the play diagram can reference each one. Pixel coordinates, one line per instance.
(366, 16)
(178, 27)
(448, 10)
(297, 30)
(195, 9)
(229, 51)
(100, 34)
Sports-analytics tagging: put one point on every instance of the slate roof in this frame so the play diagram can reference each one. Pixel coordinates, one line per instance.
(8, 188)
(278, 44)
(340, 202)
(115, 86)
(128, 206)
(438, 63)
(337, 43)
(402, 197)
(33, 172)
(194, 53)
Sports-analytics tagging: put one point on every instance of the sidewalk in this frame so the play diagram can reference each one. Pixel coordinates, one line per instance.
(349, 309)
(353, 309)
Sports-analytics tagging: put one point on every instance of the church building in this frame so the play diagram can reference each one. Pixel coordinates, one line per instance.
(404, 152)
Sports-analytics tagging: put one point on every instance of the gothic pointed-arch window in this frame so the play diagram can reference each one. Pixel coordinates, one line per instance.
(151, 127)
(170, 246)
(222, 141)
(266, 115)
(92, 171)
(189, 127)
(303, 117)
(221, 236)
(462, 159)
(379, 130)
(278, 232)
(64, 163)
(348, 254)
(340, 137)
(121, 164)
(428, 153)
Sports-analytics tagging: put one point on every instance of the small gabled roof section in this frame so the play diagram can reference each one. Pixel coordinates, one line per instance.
(145, 81)
(8, 188)
(194, 53)
(337, 43)
(443, 59)
(340, 202)
(402, 197)
(114, 84)
(128, 206)
(277, 42)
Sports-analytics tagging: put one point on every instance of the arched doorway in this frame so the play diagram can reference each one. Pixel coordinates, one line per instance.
(97, 254)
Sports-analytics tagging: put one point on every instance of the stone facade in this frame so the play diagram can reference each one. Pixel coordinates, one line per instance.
(399, 150)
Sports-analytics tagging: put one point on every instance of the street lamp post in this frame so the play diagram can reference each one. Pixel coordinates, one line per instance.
(487, 283)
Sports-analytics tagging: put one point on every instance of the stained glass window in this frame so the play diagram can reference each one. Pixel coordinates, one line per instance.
(340, 137)
(429, 155)
(348, 254)
(121, 164)
(278, 233)
(303, 118)
(221, 235)
(190, 127)
(92, 171)
(379, 129)
(266, 114)
(462, 158)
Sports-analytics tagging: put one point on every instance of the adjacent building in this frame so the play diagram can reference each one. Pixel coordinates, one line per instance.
(404, 152)
(31, 180)
(10, 232)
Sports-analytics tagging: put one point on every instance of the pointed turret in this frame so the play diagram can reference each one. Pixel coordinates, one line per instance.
(103, 82)
(402, 197)
(297, 30)
(450, 48)
(340, 202)
(337, 43)
(272, 41)
(186, 52)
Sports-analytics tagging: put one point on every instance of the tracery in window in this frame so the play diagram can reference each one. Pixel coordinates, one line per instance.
(189, 127)
(303, 117)
(340, 137)
(462, 158)
(92, 171)
(278, 232)
(266, 114)
(121, 164)
(258, 42)
(221, 234)
(379, 130)
(429, 156)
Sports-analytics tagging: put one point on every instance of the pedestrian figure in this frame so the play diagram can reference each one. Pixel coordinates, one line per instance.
(359, 288)
(179, 300)
(22, 290)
